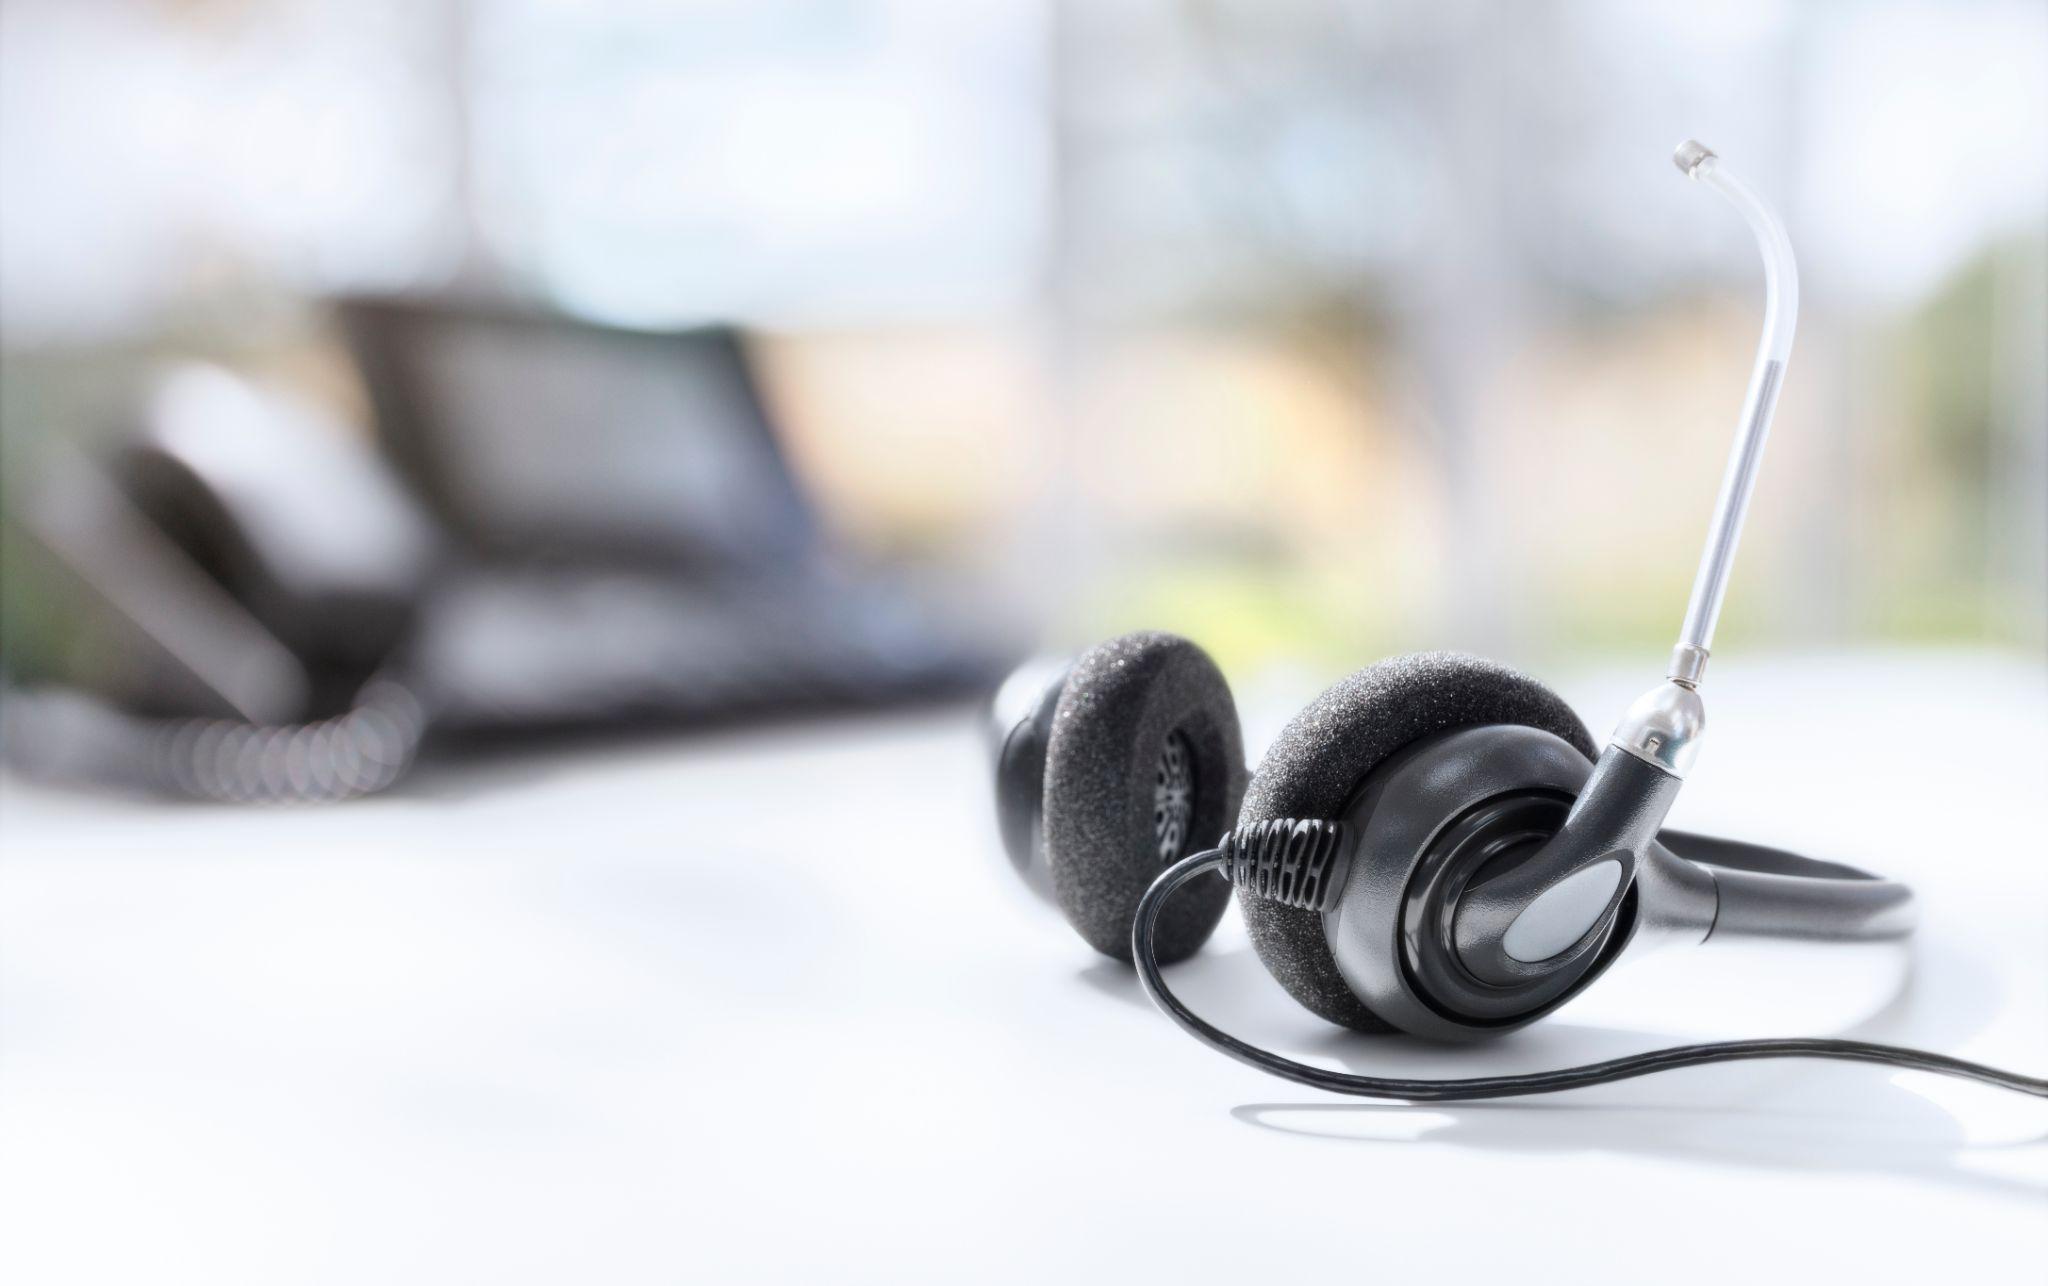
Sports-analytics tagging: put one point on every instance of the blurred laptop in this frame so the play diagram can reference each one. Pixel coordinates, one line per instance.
(631, 544)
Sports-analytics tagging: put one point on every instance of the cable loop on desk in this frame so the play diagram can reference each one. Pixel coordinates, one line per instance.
(1486, 1087)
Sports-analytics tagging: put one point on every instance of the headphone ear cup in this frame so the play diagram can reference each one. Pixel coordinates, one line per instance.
(1019, 728)
(1145, 765)
(1321, 757)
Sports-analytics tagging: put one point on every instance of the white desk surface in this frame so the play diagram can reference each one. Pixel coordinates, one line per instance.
(763, 1006)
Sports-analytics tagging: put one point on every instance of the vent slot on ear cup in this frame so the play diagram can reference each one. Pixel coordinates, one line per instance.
(1173, 797)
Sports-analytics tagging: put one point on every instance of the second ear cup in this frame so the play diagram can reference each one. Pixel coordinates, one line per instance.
(1145, 765)
(1324, 753)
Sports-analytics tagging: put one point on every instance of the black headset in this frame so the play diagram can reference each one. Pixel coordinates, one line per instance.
(1435, 845)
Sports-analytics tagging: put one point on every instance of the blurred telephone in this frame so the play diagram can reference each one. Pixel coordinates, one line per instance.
(558, 527)
(230, 587)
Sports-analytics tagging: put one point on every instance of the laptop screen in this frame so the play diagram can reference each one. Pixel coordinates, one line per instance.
(546, 437)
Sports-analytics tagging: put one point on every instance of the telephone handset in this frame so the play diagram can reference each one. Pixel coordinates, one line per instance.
(233, 583)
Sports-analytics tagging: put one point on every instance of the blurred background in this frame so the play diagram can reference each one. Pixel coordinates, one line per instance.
(473, 368)
(574, 403)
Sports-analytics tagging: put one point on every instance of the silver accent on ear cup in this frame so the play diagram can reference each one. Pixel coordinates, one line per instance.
(1173, 797)
(1561, 914)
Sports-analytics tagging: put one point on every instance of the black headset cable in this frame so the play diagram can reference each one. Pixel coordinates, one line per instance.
(1145, 954)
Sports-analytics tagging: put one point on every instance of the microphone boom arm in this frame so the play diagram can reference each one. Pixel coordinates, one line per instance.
(1781, 318)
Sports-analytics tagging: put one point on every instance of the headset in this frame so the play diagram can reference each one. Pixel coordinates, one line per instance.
(1435, 845)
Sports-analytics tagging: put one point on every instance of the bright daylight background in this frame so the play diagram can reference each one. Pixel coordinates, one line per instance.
(1313, 329)
(1317, 330)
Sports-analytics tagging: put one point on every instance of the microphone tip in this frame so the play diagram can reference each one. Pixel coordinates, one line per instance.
(1690, 155)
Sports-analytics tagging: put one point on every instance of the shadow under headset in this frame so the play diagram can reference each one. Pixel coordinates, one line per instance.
(1435, 845)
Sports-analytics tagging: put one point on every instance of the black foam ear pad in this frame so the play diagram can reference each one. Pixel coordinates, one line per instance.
(1326, 751)
(1145, 749)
